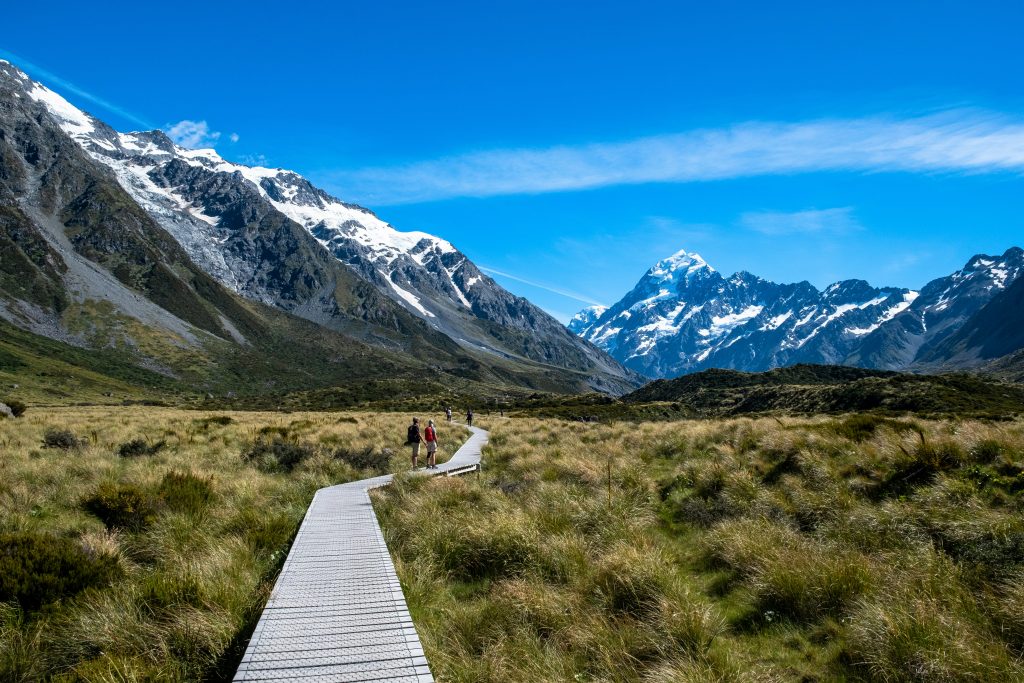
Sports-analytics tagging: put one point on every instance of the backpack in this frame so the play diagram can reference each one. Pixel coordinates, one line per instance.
(414, 434)
(431, 434)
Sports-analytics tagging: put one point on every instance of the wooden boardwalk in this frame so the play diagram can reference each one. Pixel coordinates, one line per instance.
(337, 612)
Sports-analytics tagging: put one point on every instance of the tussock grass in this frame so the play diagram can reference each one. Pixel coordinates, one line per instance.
(154, 568)
(849, 548)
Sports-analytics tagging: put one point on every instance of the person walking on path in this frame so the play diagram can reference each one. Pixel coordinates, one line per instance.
(469, 417)
(448, 413)
(414, 439)
(430, 436)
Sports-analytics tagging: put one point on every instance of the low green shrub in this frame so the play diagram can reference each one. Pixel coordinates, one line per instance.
(365, 459)
(213, 420)
(789, 573)
(630, 580)
(63, 439)
(139, 447)
(185, 492)
(480, 551)
(17, 407)
(122, 506)
(928, 635)
(862, 426)
(36, 569)
(986, 451)
(265, 533)
(919, 468)
(277, 455)
(162, 592)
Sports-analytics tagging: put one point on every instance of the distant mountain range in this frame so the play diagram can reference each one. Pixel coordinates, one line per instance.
(187, 263)
(683, 316)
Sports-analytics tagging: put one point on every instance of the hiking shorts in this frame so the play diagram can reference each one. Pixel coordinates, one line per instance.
(416, 449)
(431, 447)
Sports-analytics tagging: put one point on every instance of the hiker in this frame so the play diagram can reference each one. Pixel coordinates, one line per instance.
(414, 440)
(469, 417)
(430, 436)
(448, 413)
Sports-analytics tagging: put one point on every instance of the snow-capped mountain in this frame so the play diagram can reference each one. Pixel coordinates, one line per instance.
(271, 236)
(916, 338)
(585, 318)
(684, 316)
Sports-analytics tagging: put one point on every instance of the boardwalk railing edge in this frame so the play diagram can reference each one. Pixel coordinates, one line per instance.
(337, 611)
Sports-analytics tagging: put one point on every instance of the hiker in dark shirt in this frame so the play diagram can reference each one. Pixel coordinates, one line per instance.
(469, 417)
(414, 439)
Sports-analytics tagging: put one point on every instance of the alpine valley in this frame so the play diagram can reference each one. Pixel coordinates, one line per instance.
(126, 259)
(683, 316)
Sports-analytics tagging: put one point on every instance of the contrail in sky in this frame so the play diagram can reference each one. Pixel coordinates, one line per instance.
(554, 290)
(41, 73)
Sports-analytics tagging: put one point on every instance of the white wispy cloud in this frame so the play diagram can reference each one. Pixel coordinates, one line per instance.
(255, 160)
(958, 141)
(192, 134)
(549, 288)
(234, 137)
(53, 79)
(810, 221)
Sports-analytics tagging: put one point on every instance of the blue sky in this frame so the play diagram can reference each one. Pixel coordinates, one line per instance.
(568, 146)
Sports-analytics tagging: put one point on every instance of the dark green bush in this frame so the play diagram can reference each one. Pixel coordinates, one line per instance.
(36, 569)
(64, 439)
(274, 430)
(920, 468)
(366, 459)
(122, 506)
(139, 447)
(629, 583)
(987, 451)
(277, 455)
(17, 407)
(161, 593)
(207, 422)
(185, 492)
(479, 552)
(862, 426)
(265, 533)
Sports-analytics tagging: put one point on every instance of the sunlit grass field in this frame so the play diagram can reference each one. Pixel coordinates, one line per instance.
(140, 544)
(857, 548)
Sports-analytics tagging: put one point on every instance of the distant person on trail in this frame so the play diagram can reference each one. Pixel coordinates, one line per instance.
(469, 417)
(414, 439)
(448, 413)
(430, 436)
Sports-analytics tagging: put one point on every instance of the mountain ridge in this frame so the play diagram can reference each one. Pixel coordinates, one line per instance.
(683, 316)
(133, 214)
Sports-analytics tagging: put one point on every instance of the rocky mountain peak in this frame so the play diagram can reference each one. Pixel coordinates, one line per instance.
(586, 318)
(684, 317)
(680, 265)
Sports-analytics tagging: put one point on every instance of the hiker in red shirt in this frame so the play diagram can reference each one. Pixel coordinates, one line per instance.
(430, 436)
